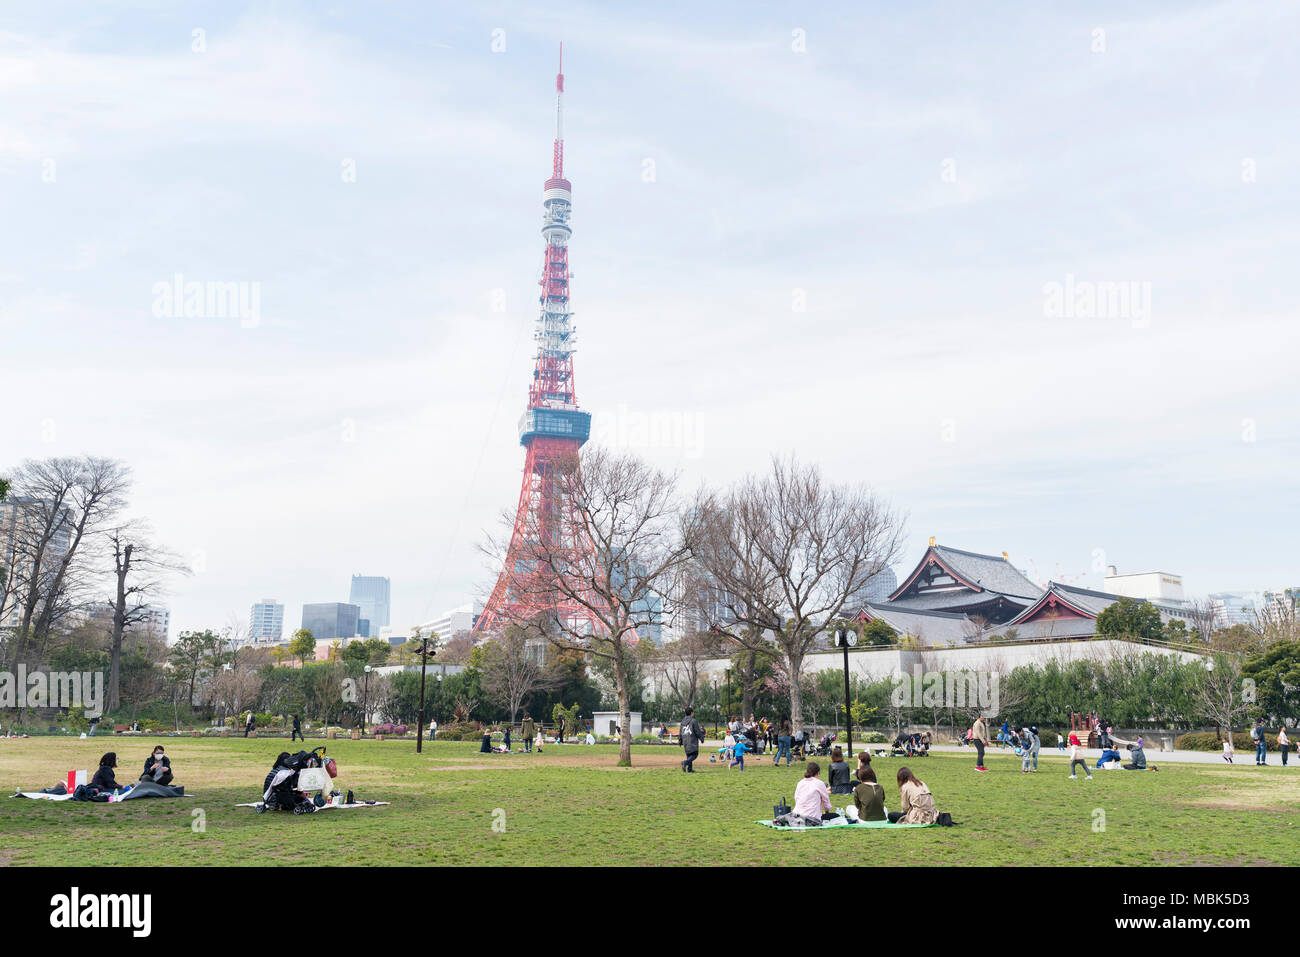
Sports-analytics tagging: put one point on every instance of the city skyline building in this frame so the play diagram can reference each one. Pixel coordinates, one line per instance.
(329, 620)
(266, 621)
(373, 595)
(455, 620)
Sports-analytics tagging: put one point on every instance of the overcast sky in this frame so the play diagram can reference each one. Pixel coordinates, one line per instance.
(832, 234)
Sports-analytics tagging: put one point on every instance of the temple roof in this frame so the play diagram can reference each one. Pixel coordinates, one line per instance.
(979, 573)
(1084, 601)
(927, 626)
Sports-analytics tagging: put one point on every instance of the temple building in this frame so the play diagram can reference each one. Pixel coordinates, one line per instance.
(955, 597)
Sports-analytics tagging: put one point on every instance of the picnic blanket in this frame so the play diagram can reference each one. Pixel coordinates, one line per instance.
(145, 789)
(843, 822)
(41, 796)
(332, 807)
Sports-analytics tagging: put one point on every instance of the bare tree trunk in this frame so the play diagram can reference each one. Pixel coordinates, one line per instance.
(123, 566)
(750, 659)
(795, 665)
(624, 711)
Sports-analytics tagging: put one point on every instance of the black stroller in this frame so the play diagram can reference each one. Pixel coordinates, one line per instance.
(824, 745)
(799, 746)
(292, 776)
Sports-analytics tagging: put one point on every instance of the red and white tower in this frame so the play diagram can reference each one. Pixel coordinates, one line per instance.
(553, 428)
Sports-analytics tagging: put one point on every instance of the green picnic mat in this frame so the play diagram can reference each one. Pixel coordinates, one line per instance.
(860, 826)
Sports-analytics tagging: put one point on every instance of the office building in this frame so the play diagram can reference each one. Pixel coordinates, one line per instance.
(266, 621)
(331, 619)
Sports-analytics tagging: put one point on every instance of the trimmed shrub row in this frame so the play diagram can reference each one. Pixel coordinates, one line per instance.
(1209, 741)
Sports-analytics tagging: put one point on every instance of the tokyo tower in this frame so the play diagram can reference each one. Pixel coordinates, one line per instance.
(552, 430)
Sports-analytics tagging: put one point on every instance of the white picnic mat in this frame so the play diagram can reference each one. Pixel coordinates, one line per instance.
(42, 797)
(331, 807)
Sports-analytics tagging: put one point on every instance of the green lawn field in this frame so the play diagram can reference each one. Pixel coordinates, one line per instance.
(573, 806)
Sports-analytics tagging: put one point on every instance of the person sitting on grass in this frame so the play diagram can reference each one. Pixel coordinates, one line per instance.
(104, 780)
(915, 799)
(157, 767)
(841, 783)
(812, 799)
(1109, 757)
(869, 796)
(1138, 757)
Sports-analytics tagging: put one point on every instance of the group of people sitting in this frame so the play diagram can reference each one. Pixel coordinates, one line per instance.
(157, 768)
(812, 796)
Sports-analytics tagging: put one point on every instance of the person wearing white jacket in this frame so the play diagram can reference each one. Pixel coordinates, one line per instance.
(1076, 757)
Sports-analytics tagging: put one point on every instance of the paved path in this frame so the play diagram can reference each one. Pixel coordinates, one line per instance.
(1153, 755)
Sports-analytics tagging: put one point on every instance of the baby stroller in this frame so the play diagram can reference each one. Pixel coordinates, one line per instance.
(824, 745)
(292, 776)
(799, 746)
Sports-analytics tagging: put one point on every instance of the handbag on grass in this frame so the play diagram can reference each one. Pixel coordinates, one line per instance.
(780, 810)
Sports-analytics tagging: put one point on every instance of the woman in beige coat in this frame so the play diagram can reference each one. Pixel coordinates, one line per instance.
(917, 801)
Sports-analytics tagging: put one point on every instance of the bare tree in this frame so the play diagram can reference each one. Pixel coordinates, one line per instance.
(789, 551)
(680, 664)
(1220, 695)
(514, 666)
(456, 651)
(1203, 617)
(605, 553)
(56, 505)
(139, 568)
(1278, 618)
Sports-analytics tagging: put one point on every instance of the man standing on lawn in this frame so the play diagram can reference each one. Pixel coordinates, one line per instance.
(979, 736)
(691, 736)
(1261, 744)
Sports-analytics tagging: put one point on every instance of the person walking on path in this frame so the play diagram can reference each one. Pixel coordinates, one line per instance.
(979, 736)
(528, 731)
(249, 725)
(559, 731)
(691, 736)
(1261, 745)
(1076, 757)
(1228, 747)
(1283, 743)
(296, 733)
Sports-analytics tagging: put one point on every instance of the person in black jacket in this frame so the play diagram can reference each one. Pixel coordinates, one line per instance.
(840, 780)
(157, 767)
(691, 736)
(297, 730)
(104, 779)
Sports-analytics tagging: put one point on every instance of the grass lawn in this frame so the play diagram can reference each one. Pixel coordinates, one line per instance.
(573, 806)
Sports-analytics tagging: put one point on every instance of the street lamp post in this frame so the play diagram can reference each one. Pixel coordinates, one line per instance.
(728, 676)
(846, 638)
(715, 706)
(419, 727)
(365, 700)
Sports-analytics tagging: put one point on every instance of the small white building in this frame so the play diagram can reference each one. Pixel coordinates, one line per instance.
(606, 723)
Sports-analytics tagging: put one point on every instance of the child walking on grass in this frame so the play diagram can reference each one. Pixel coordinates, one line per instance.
(741, 746)
(1076, 757)
(1227, 748)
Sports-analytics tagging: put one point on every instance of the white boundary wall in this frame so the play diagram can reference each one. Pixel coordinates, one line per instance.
(883, 662)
